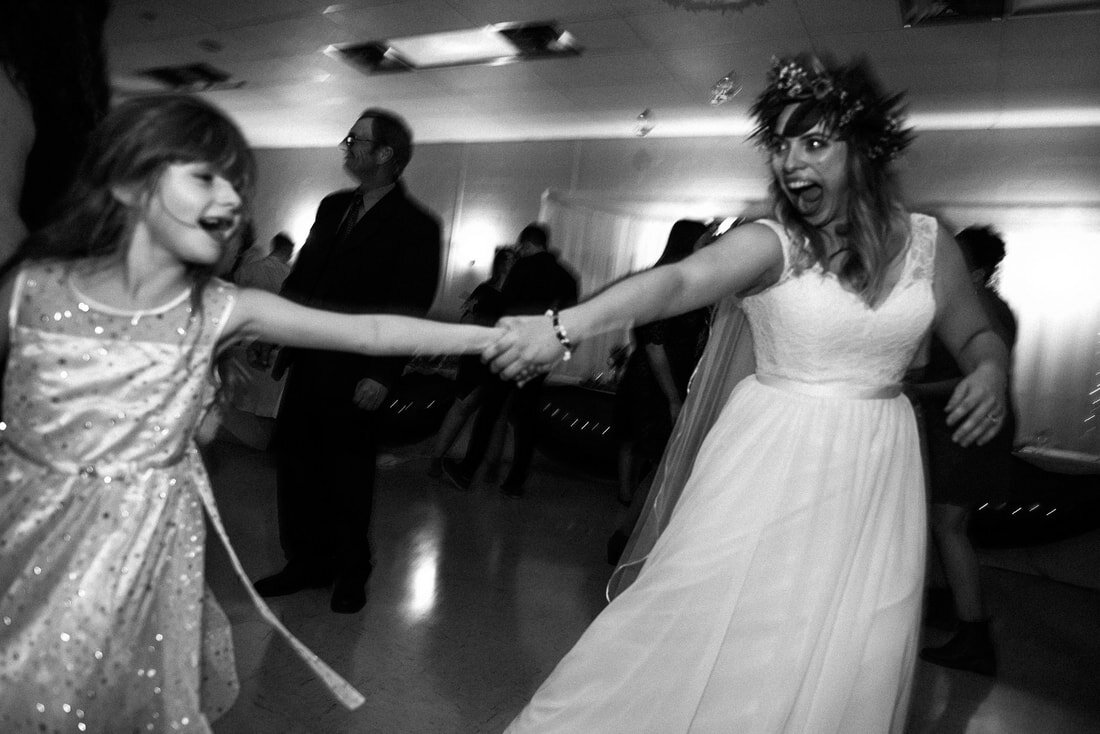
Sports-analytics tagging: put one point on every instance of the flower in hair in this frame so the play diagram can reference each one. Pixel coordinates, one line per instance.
(848, 97)
(822, 87)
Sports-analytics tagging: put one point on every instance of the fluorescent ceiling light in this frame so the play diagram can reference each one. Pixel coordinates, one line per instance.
(497, 44)
(455, 47)
(1007, 119)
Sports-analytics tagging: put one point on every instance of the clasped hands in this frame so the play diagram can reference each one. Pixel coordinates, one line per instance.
(526, 348)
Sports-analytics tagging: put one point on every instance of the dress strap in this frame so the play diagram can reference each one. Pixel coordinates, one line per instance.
(922, 247)
(219, 300)
(784, 243)
(16, 297)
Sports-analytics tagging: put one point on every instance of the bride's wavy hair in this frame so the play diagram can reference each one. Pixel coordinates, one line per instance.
(134, 145)
(850, 104)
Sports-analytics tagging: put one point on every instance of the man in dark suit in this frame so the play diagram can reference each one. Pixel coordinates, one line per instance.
(536, 282)
(371, 249)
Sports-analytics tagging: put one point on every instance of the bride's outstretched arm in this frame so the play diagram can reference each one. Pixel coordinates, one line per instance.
(744, 260)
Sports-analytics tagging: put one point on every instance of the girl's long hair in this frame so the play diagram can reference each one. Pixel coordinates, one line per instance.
(877, 225)
(135, 143)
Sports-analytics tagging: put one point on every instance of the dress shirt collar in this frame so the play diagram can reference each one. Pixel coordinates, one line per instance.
(373, 196)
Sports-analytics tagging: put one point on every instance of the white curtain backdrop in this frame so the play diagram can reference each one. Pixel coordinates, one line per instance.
(602, 239)
(1050, 278)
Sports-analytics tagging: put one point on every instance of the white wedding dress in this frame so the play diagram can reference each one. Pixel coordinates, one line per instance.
(784, 595)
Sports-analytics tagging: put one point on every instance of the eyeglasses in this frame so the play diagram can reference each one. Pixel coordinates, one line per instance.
(351, 140)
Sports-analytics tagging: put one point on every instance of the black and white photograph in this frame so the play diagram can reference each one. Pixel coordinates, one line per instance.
(550, 366)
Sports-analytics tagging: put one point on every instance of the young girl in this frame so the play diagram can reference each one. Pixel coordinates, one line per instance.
(112, 320)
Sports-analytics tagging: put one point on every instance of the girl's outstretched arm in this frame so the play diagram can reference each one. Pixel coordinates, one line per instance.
(271, 318)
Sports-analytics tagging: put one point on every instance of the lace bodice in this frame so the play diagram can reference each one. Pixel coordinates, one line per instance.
(89, 386)
(809, 328)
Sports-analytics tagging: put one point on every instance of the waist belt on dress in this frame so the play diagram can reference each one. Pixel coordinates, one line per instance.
(831, 389)
(109, 470)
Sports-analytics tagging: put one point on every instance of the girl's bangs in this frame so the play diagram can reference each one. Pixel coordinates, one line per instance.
(216, 141)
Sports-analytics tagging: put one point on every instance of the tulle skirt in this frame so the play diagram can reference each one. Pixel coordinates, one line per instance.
(784, 596)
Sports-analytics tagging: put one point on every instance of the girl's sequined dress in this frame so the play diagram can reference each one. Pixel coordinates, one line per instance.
(106, 624)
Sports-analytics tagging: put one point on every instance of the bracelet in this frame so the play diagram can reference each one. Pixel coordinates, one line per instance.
(561, 334)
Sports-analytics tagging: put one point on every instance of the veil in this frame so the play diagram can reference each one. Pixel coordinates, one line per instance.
(727, 359)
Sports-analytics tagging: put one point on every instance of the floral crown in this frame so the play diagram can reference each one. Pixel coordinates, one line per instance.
(848, 98)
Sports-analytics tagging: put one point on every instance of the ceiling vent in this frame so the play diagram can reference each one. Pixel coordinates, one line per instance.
(502, 43)
(928, 12)
(199, 77)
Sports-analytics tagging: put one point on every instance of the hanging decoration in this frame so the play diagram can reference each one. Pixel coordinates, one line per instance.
(644, 122)
(725, 88)
(721, 6)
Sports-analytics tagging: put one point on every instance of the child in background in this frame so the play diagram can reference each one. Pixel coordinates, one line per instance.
(110, 324)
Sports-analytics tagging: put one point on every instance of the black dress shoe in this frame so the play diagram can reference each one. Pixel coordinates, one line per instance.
(457, 476)
(293, 578)
(511, 489)
(349, 595)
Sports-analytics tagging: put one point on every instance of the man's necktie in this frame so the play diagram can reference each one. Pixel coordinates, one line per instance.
(355, 211)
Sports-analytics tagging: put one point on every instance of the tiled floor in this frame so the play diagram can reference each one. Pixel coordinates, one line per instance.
(475, 597)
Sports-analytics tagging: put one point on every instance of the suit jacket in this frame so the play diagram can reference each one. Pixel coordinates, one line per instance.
(538, 282)
(389, 263)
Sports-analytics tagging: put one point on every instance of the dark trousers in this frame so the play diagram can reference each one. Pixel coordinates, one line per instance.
(524, 410)
(325, 474)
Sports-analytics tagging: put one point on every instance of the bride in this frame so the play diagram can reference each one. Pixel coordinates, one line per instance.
(783, 594)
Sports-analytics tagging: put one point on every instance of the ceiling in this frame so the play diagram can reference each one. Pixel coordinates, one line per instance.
(1038, 71)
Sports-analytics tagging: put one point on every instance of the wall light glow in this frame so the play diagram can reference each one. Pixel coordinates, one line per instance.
(298, 221)
(1049, 278)
(474, 242)
(1052, 271)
